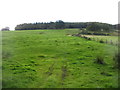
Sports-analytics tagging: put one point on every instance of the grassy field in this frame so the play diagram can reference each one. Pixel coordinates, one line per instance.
(106, 39)
(53, 59)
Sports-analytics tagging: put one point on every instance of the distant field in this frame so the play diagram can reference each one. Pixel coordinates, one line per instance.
(53, 59)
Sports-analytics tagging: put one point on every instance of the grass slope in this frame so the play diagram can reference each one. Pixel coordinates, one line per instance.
(53, 59)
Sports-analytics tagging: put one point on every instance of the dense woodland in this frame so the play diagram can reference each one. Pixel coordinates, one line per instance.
(63, 25)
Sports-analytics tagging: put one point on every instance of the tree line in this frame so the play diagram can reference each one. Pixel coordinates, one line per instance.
(5, 29)
(93, 26)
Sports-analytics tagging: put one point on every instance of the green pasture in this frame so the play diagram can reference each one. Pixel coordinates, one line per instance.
(54, 59)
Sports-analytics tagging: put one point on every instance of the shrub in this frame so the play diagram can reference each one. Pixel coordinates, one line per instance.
(101, 41)
(85, 37)
(93, 39)
(116, 60)
(99, 60)
(32, 61)
(89, 38)
(106, 73)
(111, 42)
(106, 41)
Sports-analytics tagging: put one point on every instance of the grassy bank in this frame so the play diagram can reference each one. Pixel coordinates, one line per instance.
(106, 39)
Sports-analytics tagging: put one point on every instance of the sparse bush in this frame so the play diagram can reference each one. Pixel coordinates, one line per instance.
(85, 37)
(92, 39)
(101, 41)
(89, 38)
(42, 56)
(106, 73)
(77, 43)
(99, 60)
(111, 42)
(56, 41)
(97, 39)
(32, 61)
(106, 41)
(116, 60)
(5, 55)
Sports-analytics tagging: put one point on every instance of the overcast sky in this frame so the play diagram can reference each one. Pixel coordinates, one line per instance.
(15, 12)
